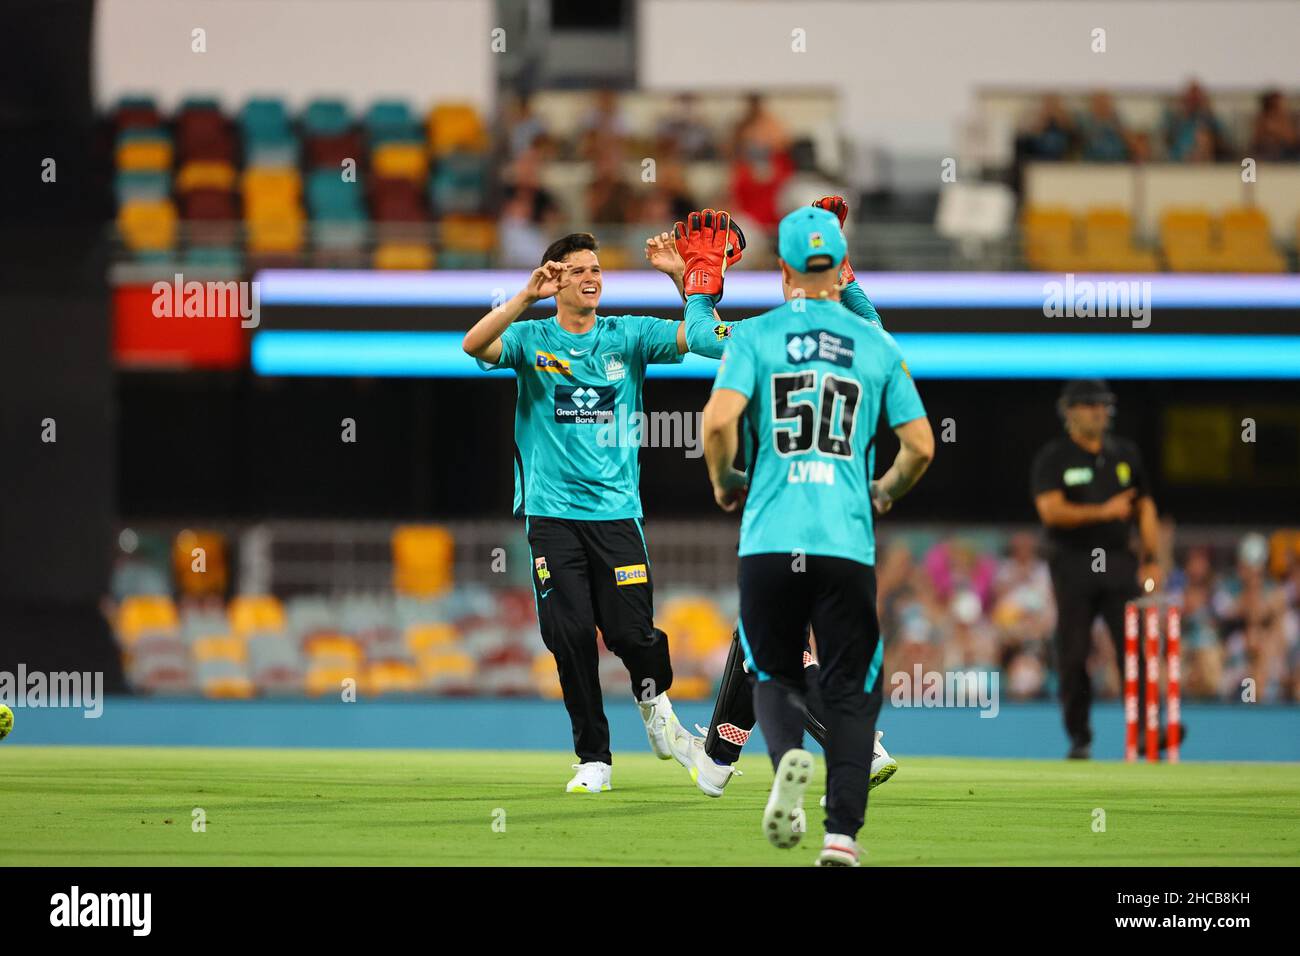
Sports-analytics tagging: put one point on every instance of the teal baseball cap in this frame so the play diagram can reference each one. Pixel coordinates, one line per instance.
(809, 240)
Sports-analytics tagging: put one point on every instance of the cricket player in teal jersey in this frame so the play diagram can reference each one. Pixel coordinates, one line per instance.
(714, 757)
(810, 380)
(577, 485)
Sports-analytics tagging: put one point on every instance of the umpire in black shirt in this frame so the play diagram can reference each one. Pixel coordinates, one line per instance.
(1090, 487)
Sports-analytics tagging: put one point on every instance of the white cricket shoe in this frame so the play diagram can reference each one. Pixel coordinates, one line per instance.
(592, 777)
(668, 738)
(838, 850)
(709, 776)
(883, 766)
(784, 810)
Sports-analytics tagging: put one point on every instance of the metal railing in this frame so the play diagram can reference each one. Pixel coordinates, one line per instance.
(883, 247)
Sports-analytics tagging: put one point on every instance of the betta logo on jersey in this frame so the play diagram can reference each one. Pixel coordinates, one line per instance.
(722, 330)
(818, 345)
(631, 574)
(546, 362)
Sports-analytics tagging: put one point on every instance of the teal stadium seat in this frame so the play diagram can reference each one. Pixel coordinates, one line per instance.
(326, 117)
(141, 185)
(391, 121)
(458, 184)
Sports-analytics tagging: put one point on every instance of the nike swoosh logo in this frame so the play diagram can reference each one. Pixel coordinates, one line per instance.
(545, 595)
(575, 352)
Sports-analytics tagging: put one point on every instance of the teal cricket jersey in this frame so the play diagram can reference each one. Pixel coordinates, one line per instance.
(576, 436)
(817, 378)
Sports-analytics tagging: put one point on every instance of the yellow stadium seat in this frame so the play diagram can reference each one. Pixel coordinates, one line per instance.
(455, 126)
(264, 181)
(337, 650)
(248, 613)
(445, 664)
(224, 648)
(387, 677)
(469, 234)
(1245, 227)
(1283, 551)
(692, 688)
(228, 688)
(545, 676)
(199, 562)
(400, 161)
(327, 680)
(1248, 243)
(279, 234)
(1186, 239)
(1050, 237)
(1108, 243)
(404, 255)
(148, 225)
(422, 560)
(424, 637)
(144, 156)
(145, 613)
(205, 174)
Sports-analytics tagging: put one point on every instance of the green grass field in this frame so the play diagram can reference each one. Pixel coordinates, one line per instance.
(133, 806)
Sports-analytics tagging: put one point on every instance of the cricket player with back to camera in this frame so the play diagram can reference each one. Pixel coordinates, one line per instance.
(809, 379)
(715, 755)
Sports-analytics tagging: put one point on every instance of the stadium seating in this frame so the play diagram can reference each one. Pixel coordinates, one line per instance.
(325, 188)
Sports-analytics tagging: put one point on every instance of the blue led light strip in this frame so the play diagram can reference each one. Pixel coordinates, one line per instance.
(943, 355)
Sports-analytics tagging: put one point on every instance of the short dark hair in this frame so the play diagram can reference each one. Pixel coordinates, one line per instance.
(566, 245)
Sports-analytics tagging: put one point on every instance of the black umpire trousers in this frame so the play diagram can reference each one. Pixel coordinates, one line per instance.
(838, 598)
(1081, 595)
(589, 575)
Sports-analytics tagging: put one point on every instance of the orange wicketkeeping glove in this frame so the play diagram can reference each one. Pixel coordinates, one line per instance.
(708, 242)
(839, 206)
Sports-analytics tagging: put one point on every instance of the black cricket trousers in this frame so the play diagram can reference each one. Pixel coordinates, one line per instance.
(589, 575)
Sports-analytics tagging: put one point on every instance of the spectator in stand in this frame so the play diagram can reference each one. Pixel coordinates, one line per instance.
(809, 183)
(1275, 135)
(1052, 134)
(683, 134)
(1192, 132)
(603, 132)
(522, 129)
(955, 565)
(1202, 649)
(610, 199)
(761, 164)
(1291, 627)
(529, 213)
(1102, 134)
(1252, 610)
(1024, 615)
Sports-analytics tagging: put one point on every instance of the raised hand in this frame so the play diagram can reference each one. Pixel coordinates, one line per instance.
(546, 280)
(661, 252)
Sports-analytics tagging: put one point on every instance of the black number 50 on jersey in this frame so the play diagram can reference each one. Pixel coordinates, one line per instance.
(803, 414)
